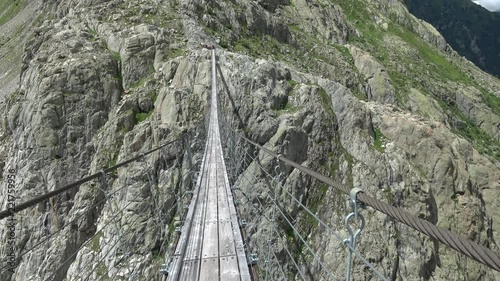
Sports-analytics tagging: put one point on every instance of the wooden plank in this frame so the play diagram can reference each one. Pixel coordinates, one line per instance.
(209, 270)
(229, 270)
(190, 270)
(226, 239)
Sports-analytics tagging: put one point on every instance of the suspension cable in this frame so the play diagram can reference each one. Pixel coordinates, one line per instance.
(469, 248)
(295, 230)
(329, 229)
(6, 213)
(64, 226)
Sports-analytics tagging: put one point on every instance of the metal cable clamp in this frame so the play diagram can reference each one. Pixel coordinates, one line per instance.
(353, 235)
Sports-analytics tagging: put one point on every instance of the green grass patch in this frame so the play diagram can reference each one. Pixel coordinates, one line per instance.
(326, 101)
(138, 83)
(174, 52)
(93, 34)
(437, 63)
(153, 95)
(102, 272)
(389, 196)
(492, 101)
(293, 83)
(117, 57)
(466, 128)
(378, 140)
(9, 9)
(141, 116)
(94, 243)
(344, 51)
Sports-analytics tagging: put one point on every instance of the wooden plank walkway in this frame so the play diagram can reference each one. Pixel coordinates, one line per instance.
(210, 246)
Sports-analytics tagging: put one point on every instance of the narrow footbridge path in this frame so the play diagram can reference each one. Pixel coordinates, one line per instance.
(210, 246)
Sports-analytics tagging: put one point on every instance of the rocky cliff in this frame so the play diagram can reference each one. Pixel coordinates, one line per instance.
(361, 91)
(469, 28)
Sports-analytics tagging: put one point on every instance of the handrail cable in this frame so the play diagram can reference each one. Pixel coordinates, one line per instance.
(328, 228)
(65, 225)
(38, 199)
(296, 231)
(263, 214)
(469, 248)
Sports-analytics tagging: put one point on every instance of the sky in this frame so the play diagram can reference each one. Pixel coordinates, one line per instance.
(492, 5)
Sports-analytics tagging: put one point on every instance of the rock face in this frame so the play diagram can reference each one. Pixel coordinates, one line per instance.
(378, 84)
(395, 112)
(468, 27)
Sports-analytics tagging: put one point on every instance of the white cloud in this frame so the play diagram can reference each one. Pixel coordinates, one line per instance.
(492, 5)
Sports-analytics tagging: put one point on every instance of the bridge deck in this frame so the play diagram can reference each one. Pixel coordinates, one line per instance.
(211, 247)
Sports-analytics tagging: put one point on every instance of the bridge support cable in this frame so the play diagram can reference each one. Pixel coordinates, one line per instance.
(326, 226)
(30, 203)
(469, 248)
(261, 213)
(72, 222)
(464, 246)
(279, 186)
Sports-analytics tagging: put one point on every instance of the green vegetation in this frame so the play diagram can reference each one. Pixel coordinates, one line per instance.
(436, 62)
(174, 52)
(117, 57)
(141, 116)
(470, 131)
(139, 82)
(93, 35)
(292, 83)
(431, 65)
(102, 271)
(389, 196)
(492, 101)
(94, 243)
(378, 140)
(326, 101)
(153, 95)
(171, 227)
(287, 109)
(481, 25)
(8, 9)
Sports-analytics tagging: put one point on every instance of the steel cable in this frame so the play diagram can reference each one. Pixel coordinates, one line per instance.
(469, 248)
(295, 230)
(64, 226)
(6, 213)
(329, 229)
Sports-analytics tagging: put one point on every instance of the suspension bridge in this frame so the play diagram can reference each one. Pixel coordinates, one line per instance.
(212, 242)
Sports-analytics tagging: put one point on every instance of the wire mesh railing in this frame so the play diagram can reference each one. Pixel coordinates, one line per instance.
(249, 168)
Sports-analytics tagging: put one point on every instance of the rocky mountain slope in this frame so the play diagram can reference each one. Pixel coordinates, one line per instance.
(469, 28)
(359, 90)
